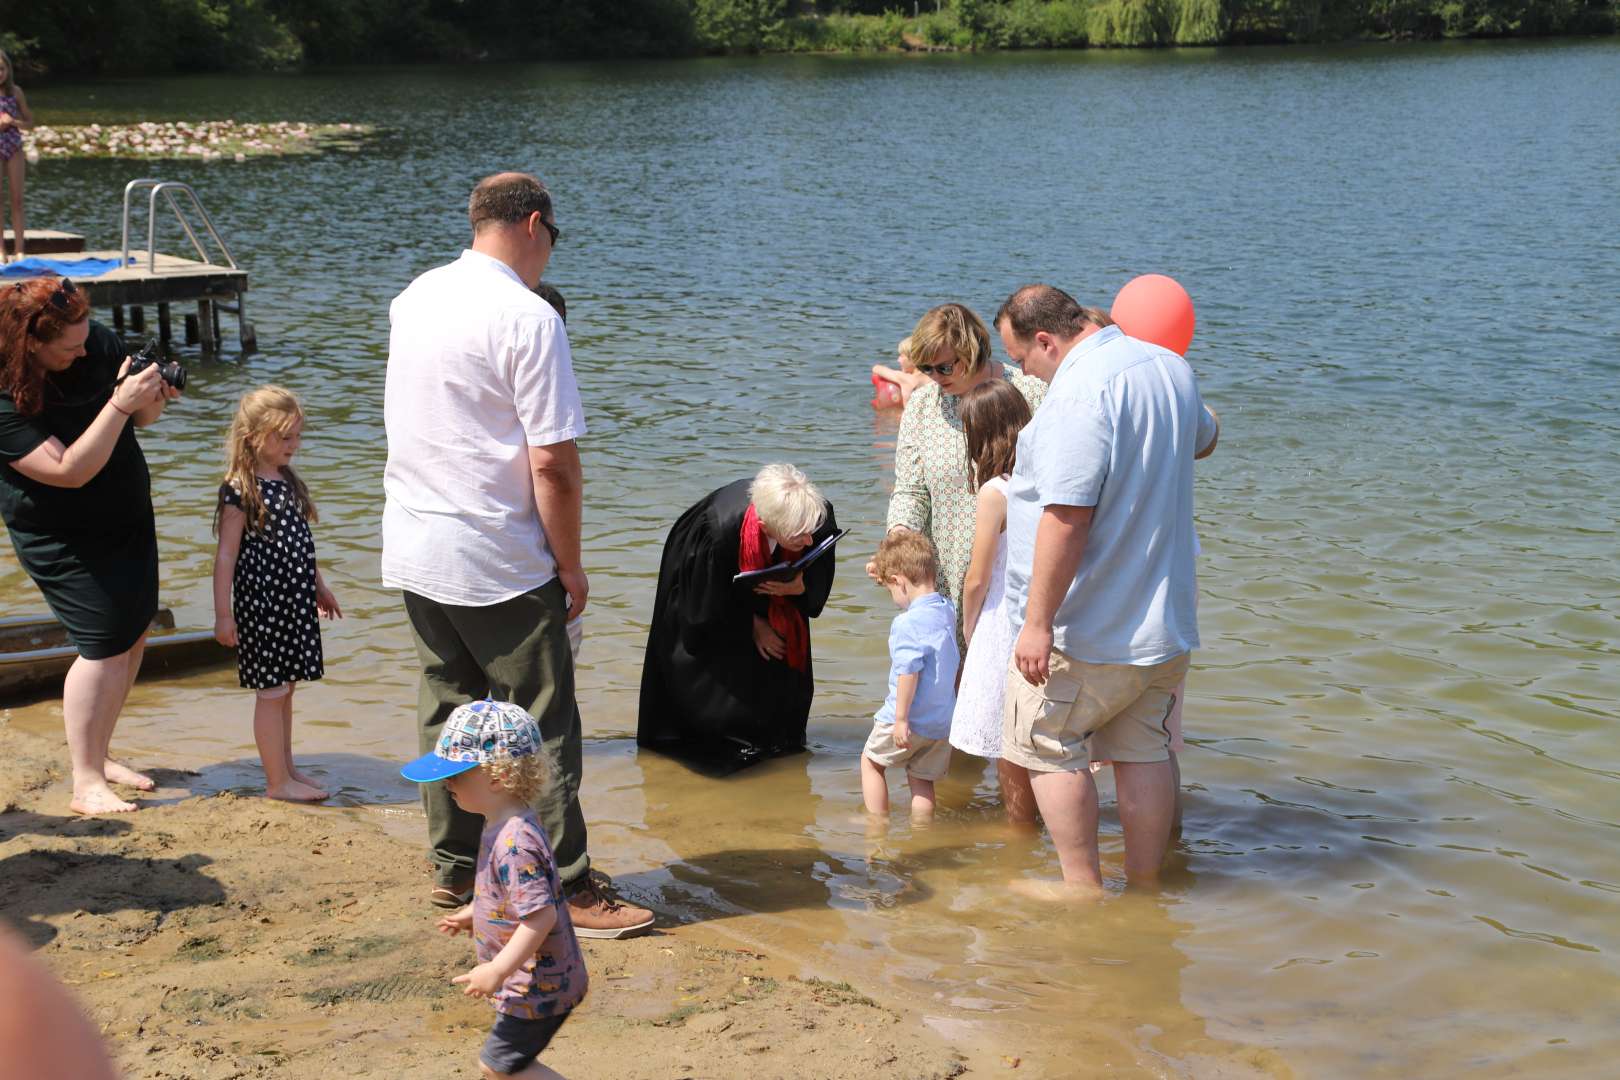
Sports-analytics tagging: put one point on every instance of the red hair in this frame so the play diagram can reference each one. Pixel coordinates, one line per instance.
(33, 311)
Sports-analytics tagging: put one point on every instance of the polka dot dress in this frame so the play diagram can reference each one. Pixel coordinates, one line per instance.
(278, 630)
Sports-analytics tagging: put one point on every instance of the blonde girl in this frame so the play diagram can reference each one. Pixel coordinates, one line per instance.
(15, 118)
(268, 590)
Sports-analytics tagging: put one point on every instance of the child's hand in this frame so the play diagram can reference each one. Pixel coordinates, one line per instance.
(481, 981)
(902, 734)
(458, 923)
(326, 603)
(225, 630)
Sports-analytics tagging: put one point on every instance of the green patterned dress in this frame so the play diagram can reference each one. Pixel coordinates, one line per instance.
(931, 489)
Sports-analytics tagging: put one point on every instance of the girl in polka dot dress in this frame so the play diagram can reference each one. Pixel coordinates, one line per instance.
(267, 588)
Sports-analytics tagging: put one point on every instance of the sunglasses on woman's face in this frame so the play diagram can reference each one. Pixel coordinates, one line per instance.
(942, 370)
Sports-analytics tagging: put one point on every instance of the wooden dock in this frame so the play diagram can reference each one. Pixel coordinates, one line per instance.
(46, 242)
(171, 281)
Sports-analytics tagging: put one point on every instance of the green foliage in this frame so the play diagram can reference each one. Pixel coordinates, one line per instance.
(155, 35)
(1128, 22)
(1197, 22)
(748, 26)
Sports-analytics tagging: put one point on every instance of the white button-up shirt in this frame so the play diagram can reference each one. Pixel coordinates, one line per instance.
(478, 371)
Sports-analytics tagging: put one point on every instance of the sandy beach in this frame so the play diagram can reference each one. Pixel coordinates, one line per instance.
(231, 936)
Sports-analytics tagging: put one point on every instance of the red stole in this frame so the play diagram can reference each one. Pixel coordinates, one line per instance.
(754, 553)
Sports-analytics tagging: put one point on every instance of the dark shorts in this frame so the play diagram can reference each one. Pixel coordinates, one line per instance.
(515, 1042)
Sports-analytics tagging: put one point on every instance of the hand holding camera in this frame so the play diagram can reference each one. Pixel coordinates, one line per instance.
(146, 379)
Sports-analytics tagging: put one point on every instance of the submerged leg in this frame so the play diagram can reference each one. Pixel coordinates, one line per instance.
(874, 786)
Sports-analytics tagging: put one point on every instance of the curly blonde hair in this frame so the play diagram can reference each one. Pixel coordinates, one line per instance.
(524, 777)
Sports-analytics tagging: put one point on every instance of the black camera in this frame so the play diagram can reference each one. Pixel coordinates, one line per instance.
(152, 353)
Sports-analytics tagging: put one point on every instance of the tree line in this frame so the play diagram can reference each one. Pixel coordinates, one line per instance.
(202, 35)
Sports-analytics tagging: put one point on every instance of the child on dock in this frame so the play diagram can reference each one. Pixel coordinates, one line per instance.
(15, 118)
(490, 757)
(268, 590)
(913, 726)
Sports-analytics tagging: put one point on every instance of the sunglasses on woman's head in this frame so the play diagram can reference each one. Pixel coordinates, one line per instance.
(60, 296)
(942, 370)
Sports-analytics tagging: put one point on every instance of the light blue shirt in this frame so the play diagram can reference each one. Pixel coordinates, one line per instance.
(922, 640)
(1117, 432)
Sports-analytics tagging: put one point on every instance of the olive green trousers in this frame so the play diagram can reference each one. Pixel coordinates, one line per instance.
(514, 651)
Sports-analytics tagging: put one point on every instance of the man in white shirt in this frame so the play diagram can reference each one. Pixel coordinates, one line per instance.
(1100, 577)
(481, 524)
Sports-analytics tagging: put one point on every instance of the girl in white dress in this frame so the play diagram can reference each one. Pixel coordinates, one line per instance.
(993, 414)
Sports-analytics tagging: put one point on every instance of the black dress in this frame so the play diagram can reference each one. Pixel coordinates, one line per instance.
(278, 629)
(706, 693)
(92, 550)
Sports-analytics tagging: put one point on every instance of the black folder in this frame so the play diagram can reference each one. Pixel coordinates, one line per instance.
(782, 571)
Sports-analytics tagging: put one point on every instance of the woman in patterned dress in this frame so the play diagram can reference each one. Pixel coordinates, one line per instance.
(951, 345)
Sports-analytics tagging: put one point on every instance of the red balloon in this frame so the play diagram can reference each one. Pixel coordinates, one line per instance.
(1156, 308)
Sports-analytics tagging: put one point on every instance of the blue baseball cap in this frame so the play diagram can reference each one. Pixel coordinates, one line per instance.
(475, 735)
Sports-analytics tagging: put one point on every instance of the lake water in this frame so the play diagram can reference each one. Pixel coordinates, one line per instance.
(1402, 786)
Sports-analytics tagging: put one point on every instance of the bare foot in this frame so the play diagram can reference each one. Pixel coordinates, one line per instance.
(117, 773)
(305, 779)
(293, 791)
(1054, 891)
(99, 800)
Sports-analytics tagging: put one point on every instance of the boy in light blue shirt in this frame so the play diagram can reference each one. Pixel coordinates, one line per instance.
(914, 726)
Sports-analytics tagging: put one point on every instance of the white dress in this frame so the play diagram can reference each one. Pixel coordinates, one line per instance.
(976, 723)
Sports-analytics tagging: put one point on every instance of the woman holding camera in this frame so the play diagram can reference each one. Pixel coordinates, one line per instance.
(76, 498)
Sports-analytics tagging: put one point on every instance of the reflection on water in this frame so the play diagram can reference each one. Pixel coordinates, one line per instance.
(1402, 772)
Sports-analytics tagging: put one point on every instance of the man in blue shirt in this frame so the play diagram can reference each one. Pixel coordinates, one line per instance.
(914, 726)
(1100, 574)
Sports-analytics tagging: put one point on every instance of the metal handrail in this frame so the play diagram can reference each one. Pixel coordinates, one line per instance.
(166, 189)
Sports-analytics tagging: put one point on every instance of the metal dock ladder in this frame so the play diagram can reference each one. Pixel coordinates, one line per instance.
(203, 326)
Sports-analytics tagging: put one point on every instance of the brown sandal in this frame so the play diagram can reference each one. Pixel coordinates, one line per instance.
(444, 896)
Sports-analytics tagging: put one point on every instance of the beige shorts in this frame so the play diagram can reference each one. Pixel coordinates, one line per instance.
(1111, 712)
(926, 759)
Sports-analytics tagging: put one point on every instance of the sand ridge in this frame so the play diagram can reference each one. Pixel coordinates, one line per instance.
(232, 936)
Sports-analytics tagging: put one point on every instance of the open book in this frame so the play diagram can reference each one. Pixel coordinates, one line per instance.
(782, 571)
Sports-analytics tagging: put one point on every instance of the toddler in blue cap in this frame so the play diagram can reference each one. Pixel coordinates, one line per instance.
(490, 758)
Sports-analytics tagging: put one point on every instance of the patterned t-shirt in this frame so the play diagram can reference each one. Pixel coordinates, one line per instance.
(931, 489)
(517, 878)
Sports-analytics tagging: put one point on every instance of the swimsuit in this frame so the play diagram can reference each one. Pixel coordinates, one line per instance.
(11, 138)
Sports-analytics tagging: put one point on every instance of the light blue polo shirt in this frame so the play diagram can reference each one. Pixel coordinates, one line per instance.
(1117, 432)
(922, 640)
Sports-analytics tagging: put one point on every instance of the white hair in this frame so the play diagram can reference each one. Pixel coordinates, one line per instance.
(787, 502)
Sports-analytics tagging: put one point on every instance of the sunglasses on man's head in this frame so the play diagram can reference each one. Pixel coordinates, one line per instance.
(555, 232)
(942, 370)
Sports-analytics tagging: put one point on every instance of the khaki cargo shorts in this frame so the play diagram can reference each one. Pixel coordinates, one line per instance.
(1111, 712)
(926, 759)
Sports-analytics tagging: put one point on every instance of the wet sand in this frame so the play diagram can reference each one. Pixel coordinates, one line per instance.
(231, 936)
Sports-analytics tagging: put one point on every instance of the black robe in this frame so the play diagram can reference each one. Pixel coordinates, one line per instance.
(706, 694)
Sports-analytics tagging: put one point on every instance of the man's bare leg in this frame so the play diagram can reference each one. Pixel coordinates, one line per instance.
(1147, 800)
(1068, 805)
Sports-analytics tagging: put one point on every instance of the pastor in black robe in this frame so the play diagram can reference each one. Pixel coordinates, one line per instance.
(707, 696)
